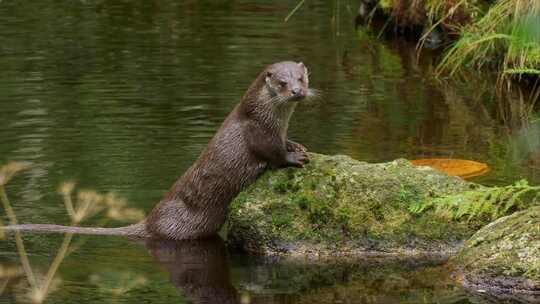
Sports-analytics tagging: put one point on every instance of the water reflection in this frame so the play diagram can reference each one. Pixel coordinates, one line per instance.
(198, 268)
(123, 95)
(368, 280)
(481, 297)
(427, 116)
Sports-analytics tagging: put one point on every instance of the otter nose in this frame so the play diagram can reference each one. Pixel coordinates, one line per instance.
(297, 92)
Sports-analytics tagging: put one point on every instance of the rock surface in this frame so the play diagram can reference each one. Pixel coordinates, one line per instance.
(503, 256)
(337, 206)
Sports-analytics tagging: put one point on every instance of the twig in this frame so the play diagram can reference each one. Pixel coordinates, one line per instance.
(18, 239)
(294, 10)
(44, 289)
(3, 286)
(69, 205)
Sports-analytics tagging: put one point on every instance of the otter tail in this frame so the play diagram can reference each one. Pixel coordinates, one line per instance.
(135, 230)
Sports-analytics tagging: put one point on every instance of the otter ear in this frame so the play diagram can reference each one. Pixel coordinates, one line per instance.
(268, 76)
(302, 65)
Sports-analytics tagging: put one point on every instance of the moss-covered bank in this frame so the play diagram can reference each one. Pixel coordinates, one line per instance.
(503, 256)
(340, 206)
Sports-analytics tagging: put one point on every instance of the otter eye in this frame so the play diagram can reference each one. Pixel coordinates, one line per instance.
(282, 84)
(301, 80)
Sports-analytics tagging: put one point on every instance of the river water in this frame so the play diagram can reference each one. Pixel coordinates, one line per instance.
(122, 96)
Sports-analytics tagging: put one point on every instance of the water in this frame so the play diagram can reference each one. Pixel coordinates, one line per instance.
(123, 95)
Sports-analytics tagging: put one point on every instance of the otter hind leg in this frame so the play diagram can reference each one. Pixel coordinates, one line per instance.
(177, 221)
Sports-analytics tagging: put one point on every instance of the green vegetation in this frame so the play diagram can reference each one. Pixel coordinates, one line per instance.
(88, 204)
(484, 204)
(300, 3)
(504, 254)
(503, 35)
(340, 206)
(507, 36)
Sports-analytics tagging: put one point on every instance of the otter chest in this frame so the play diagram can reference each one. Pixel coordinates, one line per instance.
(283, 121)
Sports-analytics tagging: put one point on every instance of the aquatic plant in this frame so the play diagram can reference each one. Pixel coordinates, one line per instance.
(490, 203)
(88, 203)
(507, 36)
(503, 36)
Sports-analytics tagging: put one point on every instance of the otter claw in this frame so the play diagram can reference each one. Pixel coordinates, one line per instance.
(297, 159)
(295, 147)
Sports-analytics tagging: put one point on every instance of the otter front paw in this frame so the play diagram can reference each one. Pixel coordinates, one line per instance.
(295, 147)
(297, 159)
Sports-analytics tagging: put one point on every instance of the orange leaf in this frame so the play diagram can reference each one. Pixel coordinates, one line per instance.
(454, 167)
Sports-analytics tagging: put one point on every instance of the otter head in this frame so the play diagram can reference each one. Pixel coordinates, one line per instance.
(287, 81)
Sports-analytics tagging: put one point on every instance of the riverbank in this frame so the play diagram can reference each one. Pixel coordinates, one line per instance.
(503, 36)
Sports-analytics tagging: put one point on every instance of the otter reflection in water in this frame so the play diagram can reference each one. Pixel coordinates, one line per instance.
(198, 267)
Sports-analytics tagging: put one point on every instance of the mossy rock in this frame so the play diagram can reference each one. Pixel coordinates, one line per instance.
(337, 206)
(504, 256)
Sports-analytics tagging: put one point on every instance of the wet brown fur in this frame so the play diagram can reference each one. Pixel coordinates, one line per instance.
(250, 140)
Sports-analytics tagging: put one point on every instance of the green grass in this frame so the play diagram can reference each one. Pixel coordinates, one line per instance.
(506, 38)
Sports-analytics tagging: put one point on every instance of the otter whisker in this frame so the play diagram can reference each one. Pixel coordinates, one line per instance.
(314, 93)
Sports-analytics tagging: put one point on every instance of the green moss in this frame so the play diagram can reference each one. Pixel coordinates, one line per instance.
(341, 205)
(504, 253)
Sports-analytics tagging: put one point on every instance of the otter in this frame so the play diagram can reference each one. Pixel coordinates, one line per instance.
(252, 139)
